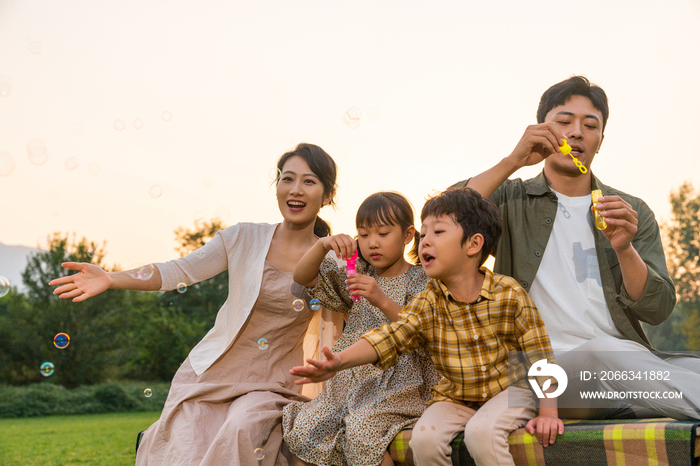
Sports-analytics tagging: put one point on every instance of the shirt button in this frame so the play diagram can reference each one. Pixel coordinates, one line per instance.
(483, 368)
(484, 395)
(547, 220)
(524, 283)
(538, 254)
(476, 336)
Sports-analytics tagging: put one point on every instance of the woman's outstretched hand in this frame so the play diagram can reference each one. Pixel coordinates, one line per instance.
(318, 371)
(90, 281)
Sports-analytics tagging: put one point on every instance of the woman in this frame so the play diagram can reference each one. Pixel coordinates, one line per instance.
(225, 402)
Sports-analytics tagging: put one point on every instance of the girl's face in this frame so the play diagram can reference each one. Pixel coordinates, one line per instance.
(299, 193)
(383, 247)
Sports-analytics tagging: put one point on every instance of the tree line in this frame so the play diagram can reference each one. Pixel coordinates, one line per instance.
(135, 335)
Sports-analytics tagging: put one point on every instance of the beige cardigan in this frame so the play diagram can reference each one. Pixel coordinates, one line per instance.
(241, 249)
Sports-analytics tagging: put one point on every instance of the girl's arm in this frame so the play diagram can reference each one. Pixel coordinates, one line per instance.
(306, 271)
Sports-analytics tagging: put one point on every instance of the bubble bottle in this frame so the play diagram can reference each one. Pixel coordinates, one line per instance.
(351, 269)
(599, 219)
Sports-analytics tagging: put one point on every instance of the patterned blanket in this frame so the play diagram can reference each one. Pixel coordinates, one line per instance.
(635, 442)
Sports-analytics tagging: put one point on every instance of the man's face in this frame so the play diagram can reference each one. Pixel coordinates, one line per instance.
(582, 126)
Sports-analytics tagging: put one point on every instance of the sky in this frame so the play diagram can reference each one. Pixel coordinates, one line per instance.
(121, 121)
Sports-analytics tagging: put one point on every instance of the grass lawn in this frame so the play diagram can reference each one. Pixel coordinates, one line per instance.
(100, 439)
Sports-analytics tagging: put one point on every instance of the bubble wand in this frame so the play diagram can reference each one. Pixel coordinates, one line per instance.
(351, 269)
(566, 150)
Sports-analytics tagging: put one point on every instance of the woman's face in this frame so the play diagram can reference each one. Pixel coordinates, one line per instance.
(299, 193)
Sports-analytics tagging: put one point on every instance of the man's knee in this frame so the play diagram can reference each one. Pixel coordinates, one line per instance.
(426, 441)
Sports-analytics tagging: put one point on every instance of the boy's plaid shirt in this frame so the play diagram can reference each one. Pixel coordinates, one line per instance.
(469, 342)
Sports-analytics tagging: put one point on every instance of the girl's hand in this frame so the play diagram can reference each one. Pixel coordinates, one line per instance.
(367, 287)
(90, 281)
(547, 428)
(343, 245)
(319, 370)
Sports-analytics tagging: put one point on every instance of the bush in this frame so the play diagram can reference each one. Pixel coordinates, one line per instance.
(43, 399)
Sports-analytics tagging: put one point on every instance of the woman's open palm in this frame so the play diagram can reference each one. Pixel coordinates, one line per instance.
(90, 281)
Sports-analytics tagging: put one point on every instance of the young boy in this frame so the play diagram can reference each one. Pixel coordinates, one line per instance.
(469, 319)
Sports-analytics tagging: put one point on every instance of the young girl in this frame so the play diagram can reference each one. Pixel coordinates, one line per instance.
(361, 410)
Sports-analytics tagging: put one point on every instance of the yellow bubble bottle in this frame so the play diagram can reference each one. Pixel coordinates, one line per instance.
(599, 220)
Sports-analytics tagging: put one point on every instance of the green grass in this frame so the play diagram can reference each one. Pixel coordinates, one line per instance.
(99, 439)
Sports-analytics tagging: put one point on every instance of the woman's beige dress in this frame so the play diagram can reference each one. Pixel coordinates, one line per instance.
(232, 413)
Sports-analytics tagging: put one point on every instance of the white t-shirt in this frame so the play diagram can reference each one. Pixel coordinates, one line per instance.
(567, 289)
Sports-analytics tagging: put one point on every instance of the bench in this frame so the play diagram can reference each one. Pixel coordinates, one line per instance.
(589, 443)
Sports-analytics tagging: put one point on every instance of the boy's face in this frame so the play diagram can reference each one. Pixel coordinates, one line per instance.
(582, 126)
(441, 252)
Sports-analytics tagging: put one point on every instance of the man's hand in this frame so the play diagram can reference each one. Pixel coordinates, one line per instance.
(318, 371)
(547, 427)
(537, 143)
(621, 219)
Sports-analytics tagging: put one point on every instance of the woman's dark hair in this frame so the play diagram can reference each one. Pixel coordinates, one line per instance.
(560, 93)
(472, 212)
(388, 208)
(324, 167)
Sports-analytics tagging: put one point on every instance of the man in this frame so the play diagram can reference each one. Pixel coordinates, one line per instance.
(592, 287)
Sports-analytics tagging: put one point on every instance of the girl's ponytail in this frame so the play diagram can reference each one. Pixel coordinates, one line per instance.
(413, 254)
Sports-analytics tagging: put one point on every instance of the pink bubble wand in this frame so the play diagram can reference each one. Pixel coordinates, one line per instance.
(351, 269)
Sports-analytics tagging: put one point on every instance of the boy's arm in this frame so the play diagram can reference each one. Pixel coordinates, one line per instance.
(306, 271)
(357, 354)
(547, 424)
(537, 143)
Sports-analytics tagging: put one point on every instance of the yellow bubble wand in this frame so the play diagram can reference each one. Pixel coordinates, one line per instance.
(566, 150)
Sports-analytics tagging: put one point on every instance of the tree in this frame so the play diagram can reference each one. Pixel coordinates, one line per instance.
(683, 259)
(92, 325)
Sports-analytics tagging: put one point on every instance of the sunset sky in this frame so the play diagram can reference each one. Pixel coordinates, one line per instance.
(121, 121)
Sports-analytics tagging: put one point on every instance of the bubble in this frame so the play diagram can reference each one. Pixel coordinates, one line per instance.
(208, 183)
(42, 242)
(298, 305)
(93, 169)
(7, 164)
(61, 340)
(259, 454)
(4, 286)
(315, 304)
(155, 191)
(198, 215)
(71, 163)
(5, 87)
(373, 113)
(119, 125)
(223, 213)
(262, 344)
(181, 287)
(201, 253)
(46, 369)
(138, 123)
(142, 273)
(35, 47)
(147, 393)
(274, 174)
(166, 116)
(199, 222)
(36, 151)
(352, 117)
(91, 252)
(77, 128)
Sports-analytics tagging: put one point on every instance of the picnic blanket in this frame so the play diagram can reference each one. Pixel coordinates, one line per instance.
(633, 442)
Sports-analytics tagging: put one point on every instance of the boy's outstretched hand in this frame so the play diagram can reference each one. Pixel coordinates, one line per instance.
(318, 371)
(547, 427)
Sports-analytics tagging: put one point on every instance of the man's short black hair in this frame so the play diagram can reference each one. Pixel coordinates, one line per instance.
(560, 93)
(470, 211)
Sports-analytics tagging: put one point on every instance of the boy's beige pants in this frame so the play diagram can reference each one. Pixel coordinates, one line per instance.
(486, 431)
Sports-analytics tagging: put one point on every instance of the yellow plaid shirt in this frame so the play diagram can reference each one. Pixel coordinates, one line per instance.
(469, 342)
